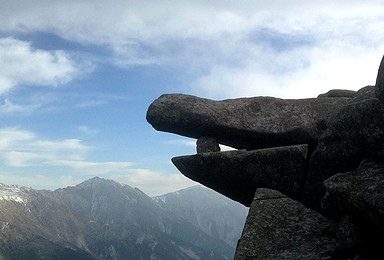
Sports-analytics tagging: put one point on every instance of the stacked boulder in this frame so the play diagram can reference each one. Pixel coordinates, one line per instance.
(311, 170)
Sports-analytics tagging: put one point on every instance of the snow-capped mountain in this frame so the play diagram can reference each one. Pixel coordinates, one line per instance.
(98, 219)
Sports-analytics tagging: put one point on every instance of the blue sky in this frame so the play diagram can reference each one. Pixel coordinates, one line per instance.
(76, 77)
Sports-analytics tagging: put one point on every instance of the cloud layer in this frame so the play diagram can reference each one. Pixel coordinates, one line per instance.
(21, 148)
(21, 64)
(232, 48)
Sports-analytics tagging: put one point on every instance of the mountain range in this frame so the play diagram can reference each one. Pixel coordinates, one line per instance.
(103, 219)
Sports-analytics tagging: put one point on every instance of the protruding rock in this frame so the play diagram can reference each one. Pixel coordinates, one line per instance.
(244, 123)
(278, 227)
(237, 174)
(338, 93)
(207, 144)
(380, 82)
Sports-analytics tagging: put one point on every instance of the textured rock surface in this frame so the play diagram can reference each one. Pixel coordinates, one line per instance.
(207, 144)
(349, 236)
(237, 174)
(278, 227)
(332, 155)
(355, 132)
(244, 123)
(364, 93)
(359, 192)
(362, 125)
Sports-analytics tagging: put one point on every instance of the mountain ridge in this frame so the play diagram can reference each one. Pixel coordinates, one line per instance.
(98, 219)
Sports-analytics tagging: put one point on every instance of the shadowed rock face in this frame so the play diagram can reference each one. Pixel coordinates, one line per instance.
(278, 227)
(237, 174)
(244, 123)
(359, 192)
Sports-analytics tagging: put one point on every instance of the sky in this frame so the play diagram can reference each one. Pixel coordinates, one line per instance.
(77, 76)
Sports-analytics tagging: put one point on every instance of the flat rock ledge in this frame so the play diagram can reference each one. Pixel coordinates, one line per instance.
(238, 173)
(278, 227)
(245, 123)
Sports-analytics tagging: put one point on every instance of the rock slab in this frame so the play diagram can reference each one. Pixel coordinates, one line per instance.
(278, 227)
(238, 173)
(244, 123)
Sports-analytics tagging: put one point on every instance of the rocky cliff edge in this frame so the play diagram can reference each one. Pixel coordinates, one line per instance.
(311, 170)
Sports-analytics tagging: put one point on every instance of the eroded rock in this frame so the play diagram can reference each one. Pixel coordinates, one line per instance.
(244, 123)
(278, 227)
(237, 174)
(359, 193)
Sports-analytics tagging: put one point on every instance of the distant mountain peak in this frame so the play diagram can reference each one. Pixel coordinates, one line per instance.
(98, 181)
(13, 193)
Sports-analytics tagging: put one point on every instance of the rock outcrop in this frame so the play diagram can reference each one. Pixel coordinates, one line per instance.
(244, 123)
(237, 174)
(326, 155)
(359, 192)
(278, 227)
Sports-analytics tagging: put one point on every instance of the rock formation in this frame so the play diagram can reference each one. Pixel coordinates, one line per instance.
(289, 230)
(237, 174)
(315, 163)
(244, 123)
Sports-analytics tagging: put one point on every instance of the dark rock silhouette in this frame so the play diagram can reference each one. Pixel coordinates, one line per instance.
(380, 82)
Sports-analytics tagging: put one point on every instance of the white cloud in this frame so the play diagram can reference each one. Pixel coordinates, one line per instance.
(19, 159)
(20, 148)
(348, 69)
(92, 168)
(154, 183)
(11, 107)
(21, 64)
